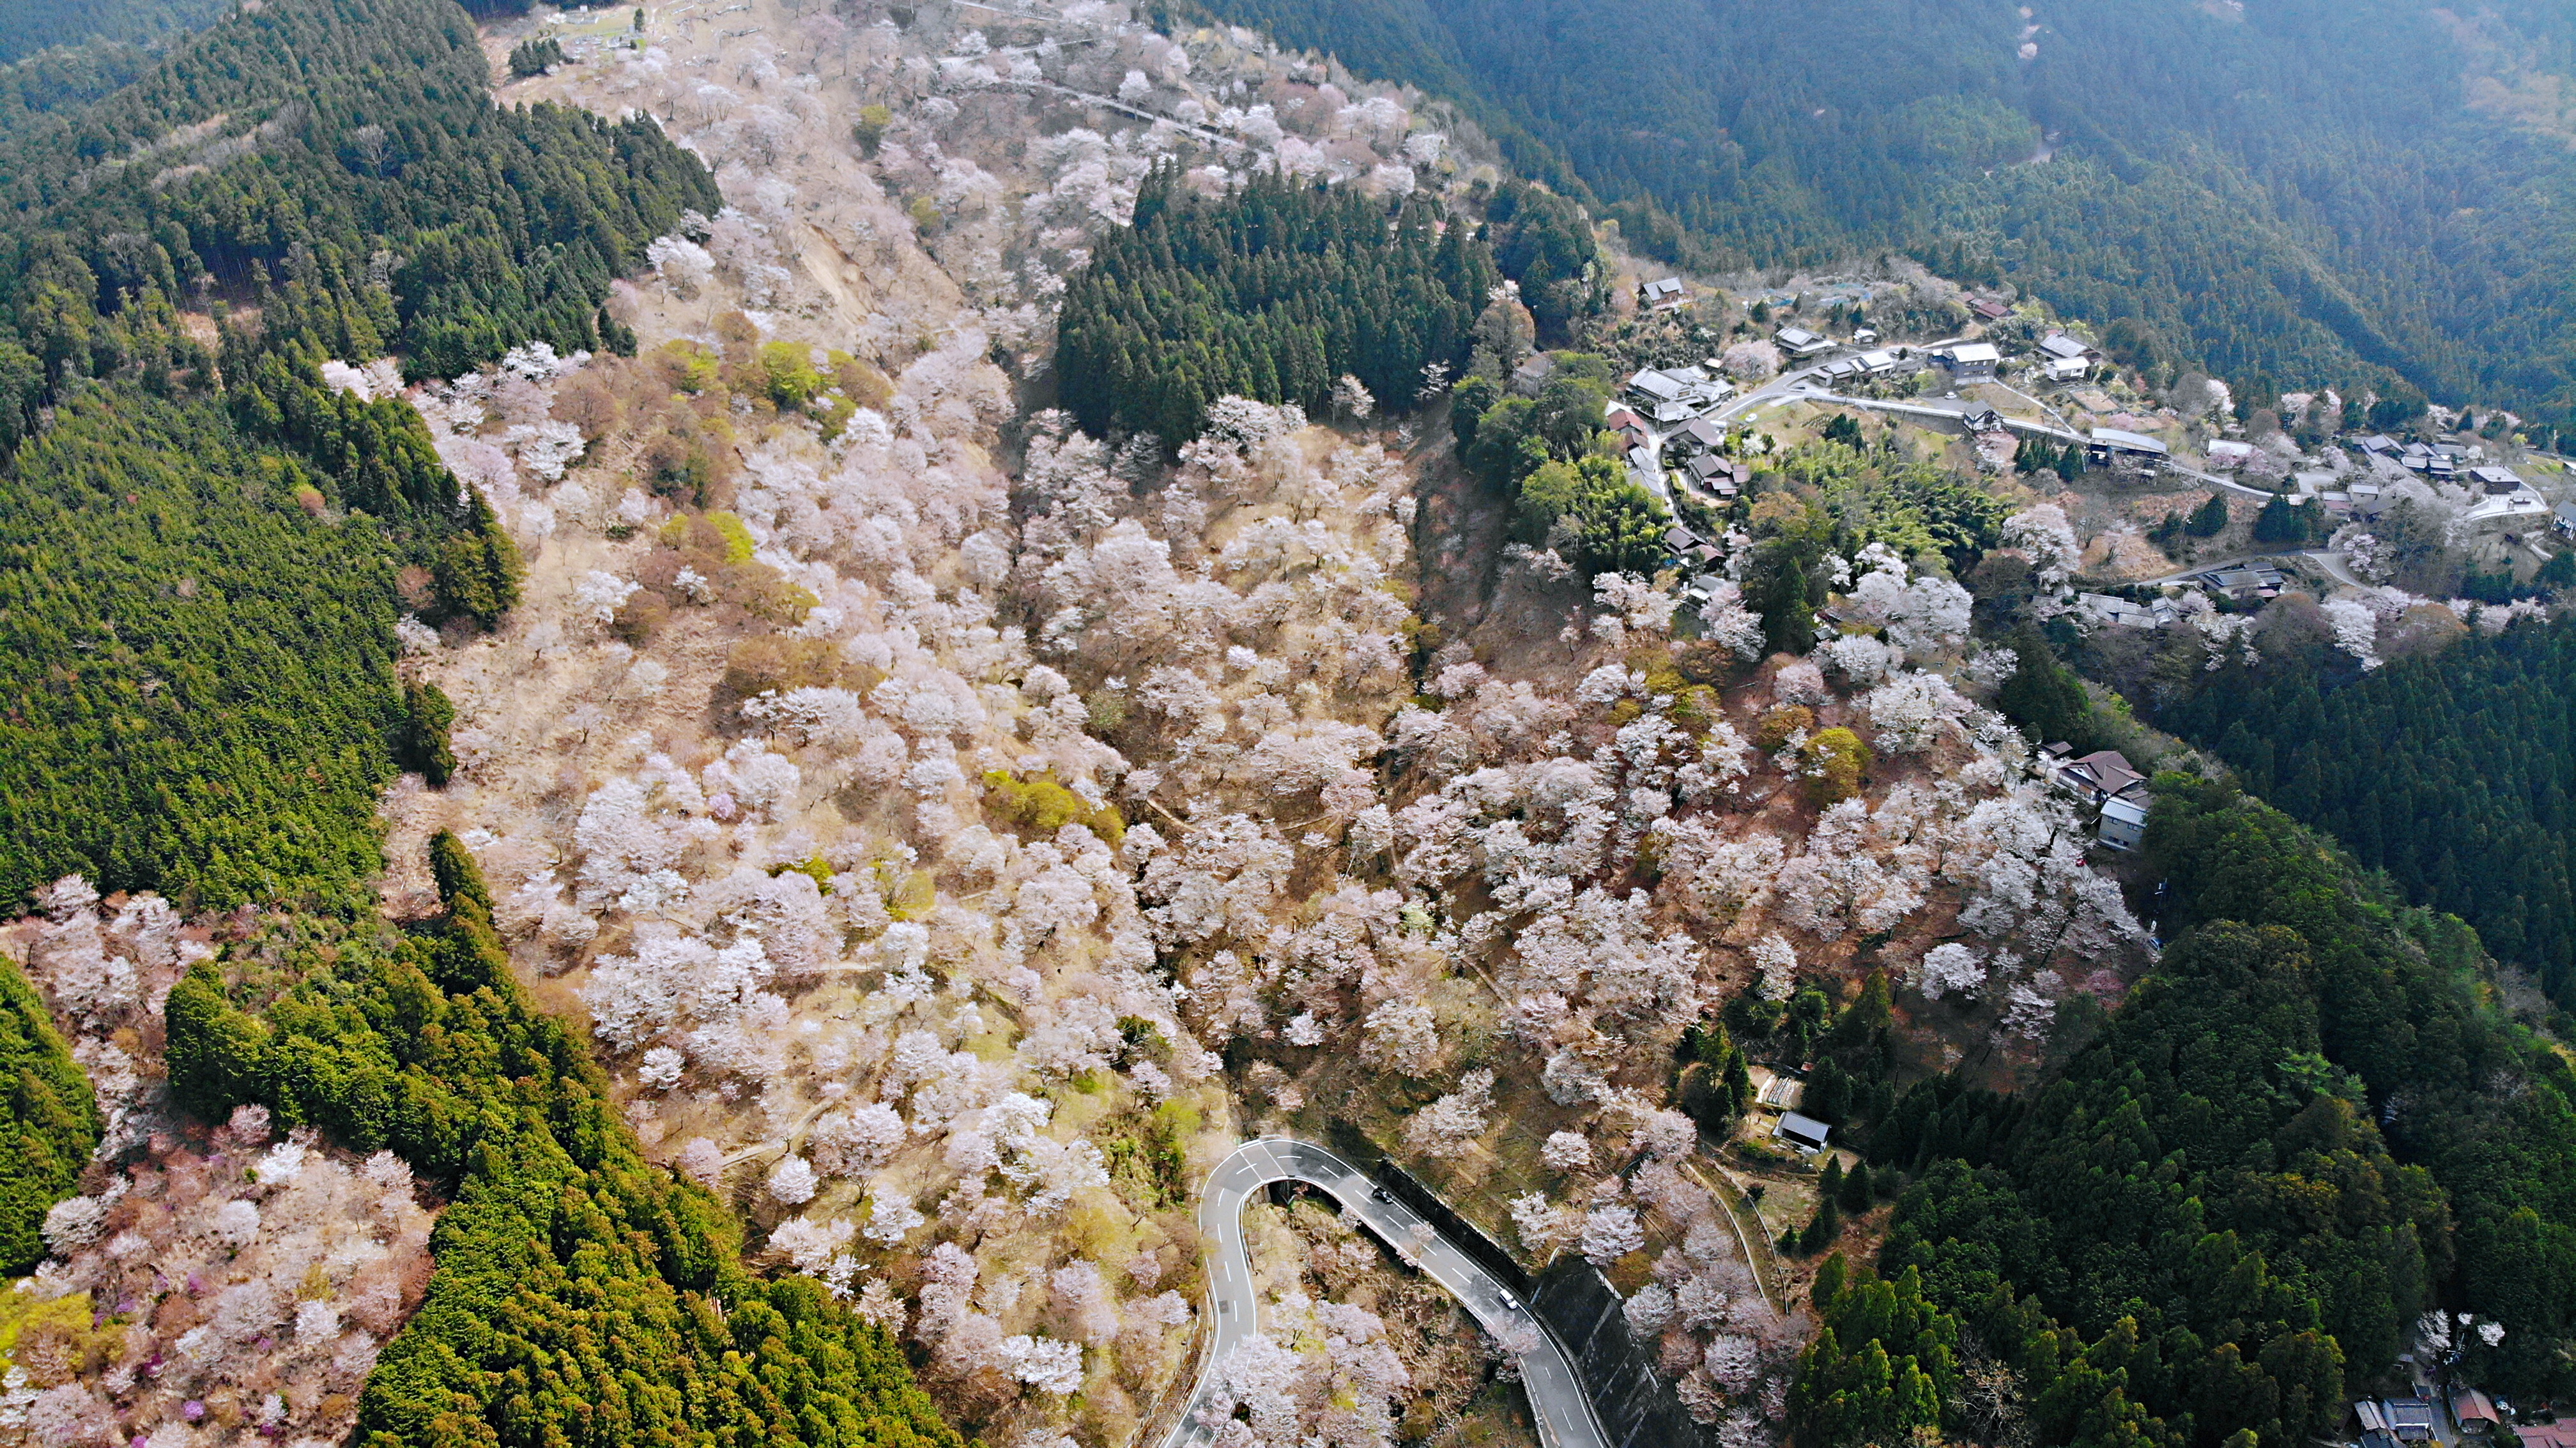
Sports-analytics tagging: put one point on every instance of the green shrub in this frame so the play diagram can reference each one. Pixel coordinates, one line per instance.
(1039, 806)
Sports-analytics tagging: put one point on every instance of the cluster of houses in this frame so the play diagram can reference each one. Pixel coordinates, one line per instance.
(2061, 358)
(2243, 582)
(2390, 1422)
(1876, 362)
(2504, 500)
(2390, 461)
(2447, 462)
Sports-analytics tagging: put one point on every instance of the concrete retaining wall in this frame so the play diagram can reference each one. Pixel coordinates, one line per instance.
(1637, 1407)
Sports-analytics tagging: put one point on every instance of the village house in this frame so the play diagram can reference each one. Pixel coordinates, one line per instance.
(1699, 435)
(2124, 823)
(2063, 358)
(2496, 481)
(2246, 580)
(2558, 1434)
(2098, 778)
(1718, 475)
(1803, 1133)
(1651, 387)
(2120, 613)
(1667, 292)
(1801, 343)
(2109, 445)
(1969, 361)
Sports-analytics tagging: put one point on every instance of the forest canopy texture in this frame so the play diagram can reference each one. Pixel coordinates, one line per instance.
(200, 554)
(39, 25)
(200, 558)
(2454, 773)
(2306, 191)
(1271, 292)
(2306, 1126)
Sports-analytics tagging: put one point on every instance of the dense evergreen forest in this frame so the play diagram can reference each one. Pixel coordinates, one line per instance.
(2454, 773)
(2305, 1126)
(39, 25)
(2298, 190)
(1271, 292)
(200, 675)
(49, 1122)
(582, 1294)
(68, 76)
(201, 552)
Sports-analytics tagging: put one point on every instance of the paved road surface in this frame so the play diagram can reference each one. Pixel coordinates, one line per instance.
(1556, 1394)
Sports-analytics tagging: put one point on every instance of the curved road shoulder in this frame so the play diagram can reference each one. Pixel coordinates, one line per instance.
(1556, 1394)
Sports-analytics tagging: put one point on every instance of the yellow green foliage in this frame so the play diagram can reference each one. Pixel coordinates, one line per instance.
(63, 1326)
(692, 367)
(1779, 723)
(786, 375)
(738, 541)
(813, 868)
(1040, 806)
(1840, 762)
(1695, 705)
(719, 548)
(832, 414)
(910, 894)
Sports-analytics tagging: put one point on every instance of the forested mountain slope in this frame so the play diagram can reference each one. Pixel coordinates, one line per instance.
(334, 169)
(213, 521)
(2301, 189)
(36, 25)
(2304, 1127)
(2453, 773)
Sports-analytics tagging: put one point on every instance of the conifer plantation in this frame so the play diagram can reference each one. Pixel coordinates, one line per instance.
(2453, 773)
(1270, 292)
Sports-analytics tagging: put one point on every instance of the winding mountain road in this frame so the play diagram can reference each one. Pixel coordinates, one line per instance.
(1555, 1391)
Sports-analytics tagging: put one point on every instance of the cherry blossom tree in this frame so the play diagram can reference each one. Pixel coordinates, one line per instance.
(1568, 1151)
(1952, 969)
(1610, 1232)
